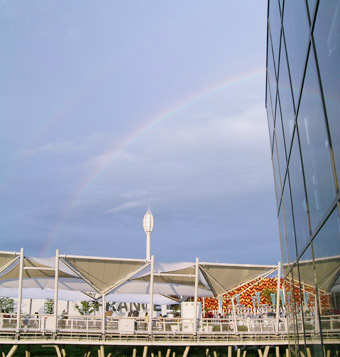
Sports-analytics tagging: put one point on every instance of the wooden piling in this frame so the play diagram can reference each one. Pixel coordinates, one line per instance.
(186, 351)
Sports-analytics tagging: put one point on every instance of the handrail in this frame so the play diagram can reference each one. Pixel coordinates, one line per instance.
(43, 323)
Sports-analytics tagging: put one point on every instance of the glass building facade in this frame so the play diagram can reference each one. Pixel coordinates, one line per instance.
(303, 110)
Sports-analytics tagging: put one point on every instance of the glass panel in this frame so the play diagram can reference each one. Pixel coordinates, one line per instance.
(297, 299)
(311, 7)
(291, 311)
(298, 197)
(276, 175)
(271, 74)
(326, 247)
(289, 224)
(286, 101)
(269, 113)
(283, 241)
(275, 27)
(327, 42)
(280, 146)
(308, 302)
(295, 22)
(315, 147)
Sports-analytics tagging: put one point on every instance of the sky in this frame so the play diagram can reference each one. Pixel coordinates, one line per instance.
(113, 107)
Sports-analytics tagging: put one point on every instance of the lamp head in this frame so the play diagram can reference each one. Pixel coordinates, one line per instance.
(148, 222)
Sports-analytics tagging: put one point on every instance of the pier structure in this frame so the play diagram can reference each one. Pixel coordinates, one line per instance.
(105, 279)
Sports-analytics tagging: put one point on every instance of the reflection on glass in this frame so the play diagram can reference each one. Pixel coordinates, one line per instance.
(298, 197)
(283, 241)
(315, 147)
(308, 303)
(326, 247)
(269, 112)
(286, 102)
(289, 224)
(275, 27)
(271, 74)
(311, 7)
(280, 146)
(291, 312)
(327, 42)
(276, 175)
(295, 21)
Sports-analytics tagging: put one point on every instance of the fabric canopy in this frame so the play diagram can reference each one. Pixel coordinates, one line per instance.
(327, 272)
(35, 268)
(143, 287)
(71, 284)
(35, 293)
(103, 273)
(224, 277)
(103, 276)
(140, 298)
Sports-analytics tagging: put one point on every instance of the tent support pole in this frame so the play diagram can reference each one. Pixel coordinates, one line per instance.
(234, 316)
(151, 293)
(196, 294)
(103, 314)
(278, 298)
(21, 270)
(56, 278)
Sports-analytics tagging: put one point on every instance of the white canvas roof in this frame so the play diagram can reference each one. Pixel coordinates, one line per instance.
(36, 293)
(125, 276)
(140, 298)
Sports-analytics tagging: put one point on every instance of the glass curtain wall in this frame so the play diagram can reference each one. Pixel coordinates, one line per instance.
(303, 109)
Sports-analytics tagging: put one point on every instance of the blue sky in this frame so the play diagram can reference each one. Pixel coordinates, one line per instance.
(110, 108)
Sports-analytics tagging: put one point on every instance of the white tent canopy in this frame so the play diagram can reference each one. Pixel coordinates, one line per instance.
(140, 298)
(35, 293)
(143, 287)
(103, 276)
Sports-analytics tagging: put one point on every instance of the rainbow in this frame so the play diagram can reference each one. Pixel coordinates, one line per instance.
(144, 128)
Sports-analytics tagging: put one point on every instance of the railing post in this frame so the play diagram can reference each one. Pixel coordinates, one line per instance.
(151, 293)
(56, 281)
(234, 316)
(21, 271)
(278, 297)
(103, 314)
(196, 294)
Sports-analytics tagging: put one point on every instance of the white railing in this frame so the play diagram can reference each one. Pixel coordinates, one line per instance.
(138, 325)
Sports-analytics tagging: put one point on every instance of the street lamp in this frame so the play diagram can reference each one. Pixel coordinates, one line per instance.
(148, 224)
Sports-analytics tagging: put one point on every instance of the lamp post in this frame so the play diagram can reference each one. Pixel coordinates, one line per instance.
(148, 224)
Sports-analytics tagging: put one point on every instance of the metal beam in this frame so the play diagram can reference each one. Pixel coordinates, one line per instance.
(21, 270)
(278, 298)
(151, 293)
(196, 294)
(56, 283)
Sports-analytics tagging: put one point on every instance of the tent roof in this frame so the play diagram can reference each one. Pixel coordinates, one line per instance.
(126, 276)
(327, 272)
(143, 287)
(37, 293)
(140, 298)
(103, 273)
(224, 277)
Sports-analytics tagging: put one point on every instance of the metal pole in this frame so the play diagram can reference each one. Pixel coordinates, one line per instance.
(151, 293)
(196, 294)
(148, 246)
(278, 297)
(21, 271)
(234, 316)
(56, 278)
(103, 313)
